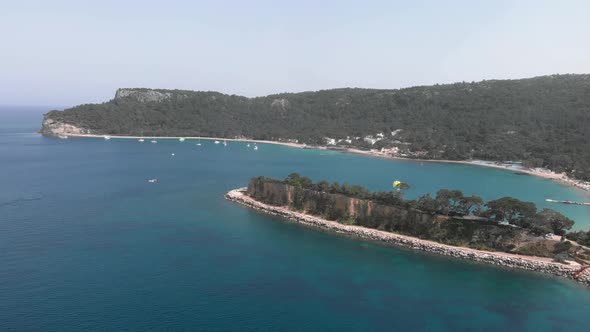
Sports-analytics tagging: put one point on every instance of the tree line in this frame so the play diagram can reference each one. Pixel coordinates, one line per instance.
(505, 210)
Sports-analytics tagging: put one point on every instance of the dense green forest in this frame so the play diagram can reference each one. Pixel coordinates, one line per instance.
(542, 121)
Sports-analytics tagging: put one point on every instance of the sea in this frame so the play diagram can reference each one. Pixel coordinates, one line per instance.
(87, 243)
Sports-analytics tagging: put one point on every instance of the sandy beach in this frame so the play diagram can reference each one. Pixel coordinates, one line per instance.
(291, 144)
(545, 175)
(539, 264)
(559, 177)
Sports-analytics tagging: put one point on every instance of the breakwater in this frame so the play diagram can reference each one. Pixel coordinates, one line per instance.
(545, 265)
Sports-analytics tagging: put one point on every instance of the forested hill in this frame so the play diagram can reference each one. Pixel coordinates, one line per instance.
(544, 121)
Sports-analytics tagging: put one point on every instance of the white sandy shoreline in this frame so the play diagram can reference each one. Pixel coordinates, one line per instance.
(294, 145)
(532, 263)
(559, 177)
(552, 176)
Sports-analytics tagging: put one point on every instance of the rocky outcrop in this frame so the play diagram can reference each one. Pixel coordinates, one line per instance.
(149, 95)
(143, 95)
(58, 128)
(281, 103)
(539, 264)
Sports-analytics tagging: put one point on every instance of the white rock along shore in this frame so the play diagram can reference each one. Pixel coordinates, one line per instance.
(539, 264)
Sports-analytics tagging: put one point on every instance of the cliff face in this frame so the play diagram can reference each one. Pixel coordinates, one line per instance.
(143, 95)
(57, 127)
(456, 231)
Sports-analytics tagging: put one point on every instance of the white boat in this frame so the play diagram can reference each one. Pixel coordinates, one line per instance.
(172, 154)
(216, 142)
(247, 145)
(140, 140)
(224, 143)
(63, 136)
(198, 144)
(255, 147)
(107, 137)
(181, 139)
(152, 180)
(154, 141)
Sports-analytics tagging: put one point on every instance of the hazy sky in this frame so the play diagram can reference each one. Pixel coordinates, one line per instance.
(71, 52)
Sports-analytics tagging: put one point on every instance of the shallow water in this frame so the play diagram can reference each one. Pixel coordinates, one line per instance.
(86, 243)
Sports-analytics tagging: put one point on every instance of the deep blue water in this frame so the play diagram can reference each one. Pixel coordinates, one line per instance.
(87, 244)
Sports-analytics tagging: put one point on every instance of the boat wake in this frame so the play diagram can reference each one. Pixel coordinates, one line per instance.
(22, 199)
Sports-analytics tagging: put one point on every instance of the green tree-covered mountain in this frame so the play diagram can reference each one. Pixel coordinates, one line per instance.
(544, 121)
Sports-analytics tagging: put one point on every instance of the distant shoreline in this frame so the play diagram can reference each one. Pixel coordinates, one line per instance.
(559, 177)
(293, 145)
(532, 263)
(552, 176)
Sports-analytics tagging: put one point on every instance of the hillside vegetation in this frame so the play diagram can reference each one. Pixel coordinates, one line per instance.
(542, 121)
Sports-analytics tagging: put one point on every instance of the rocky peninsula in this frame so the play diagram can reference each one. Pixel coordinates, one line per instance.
(565, 268)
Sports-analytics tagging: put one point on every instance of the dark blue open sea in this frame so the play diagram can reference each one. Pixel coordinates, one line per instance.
(87, 244)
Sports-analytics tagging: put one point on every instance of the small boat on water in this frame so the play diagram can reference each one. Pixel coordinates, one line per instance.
(140, 140)
(247, 145)
(181, 139)
(216, 142)
(198, 144)
(255, 147)
(63, 136)
(154, 141)
(107, 138)
(224, 143)
(153, 180)
(172, 154)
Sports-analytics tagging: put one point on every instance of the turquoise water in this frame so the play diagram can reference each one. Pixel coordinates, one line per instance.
(87, 244)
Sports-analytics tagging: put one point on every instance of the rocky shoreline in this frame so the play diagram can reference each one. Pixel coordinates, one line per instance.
(572, 271)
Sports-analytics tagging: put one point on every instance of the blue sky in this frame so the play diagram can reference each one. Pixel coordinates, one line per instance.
(72, 52)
